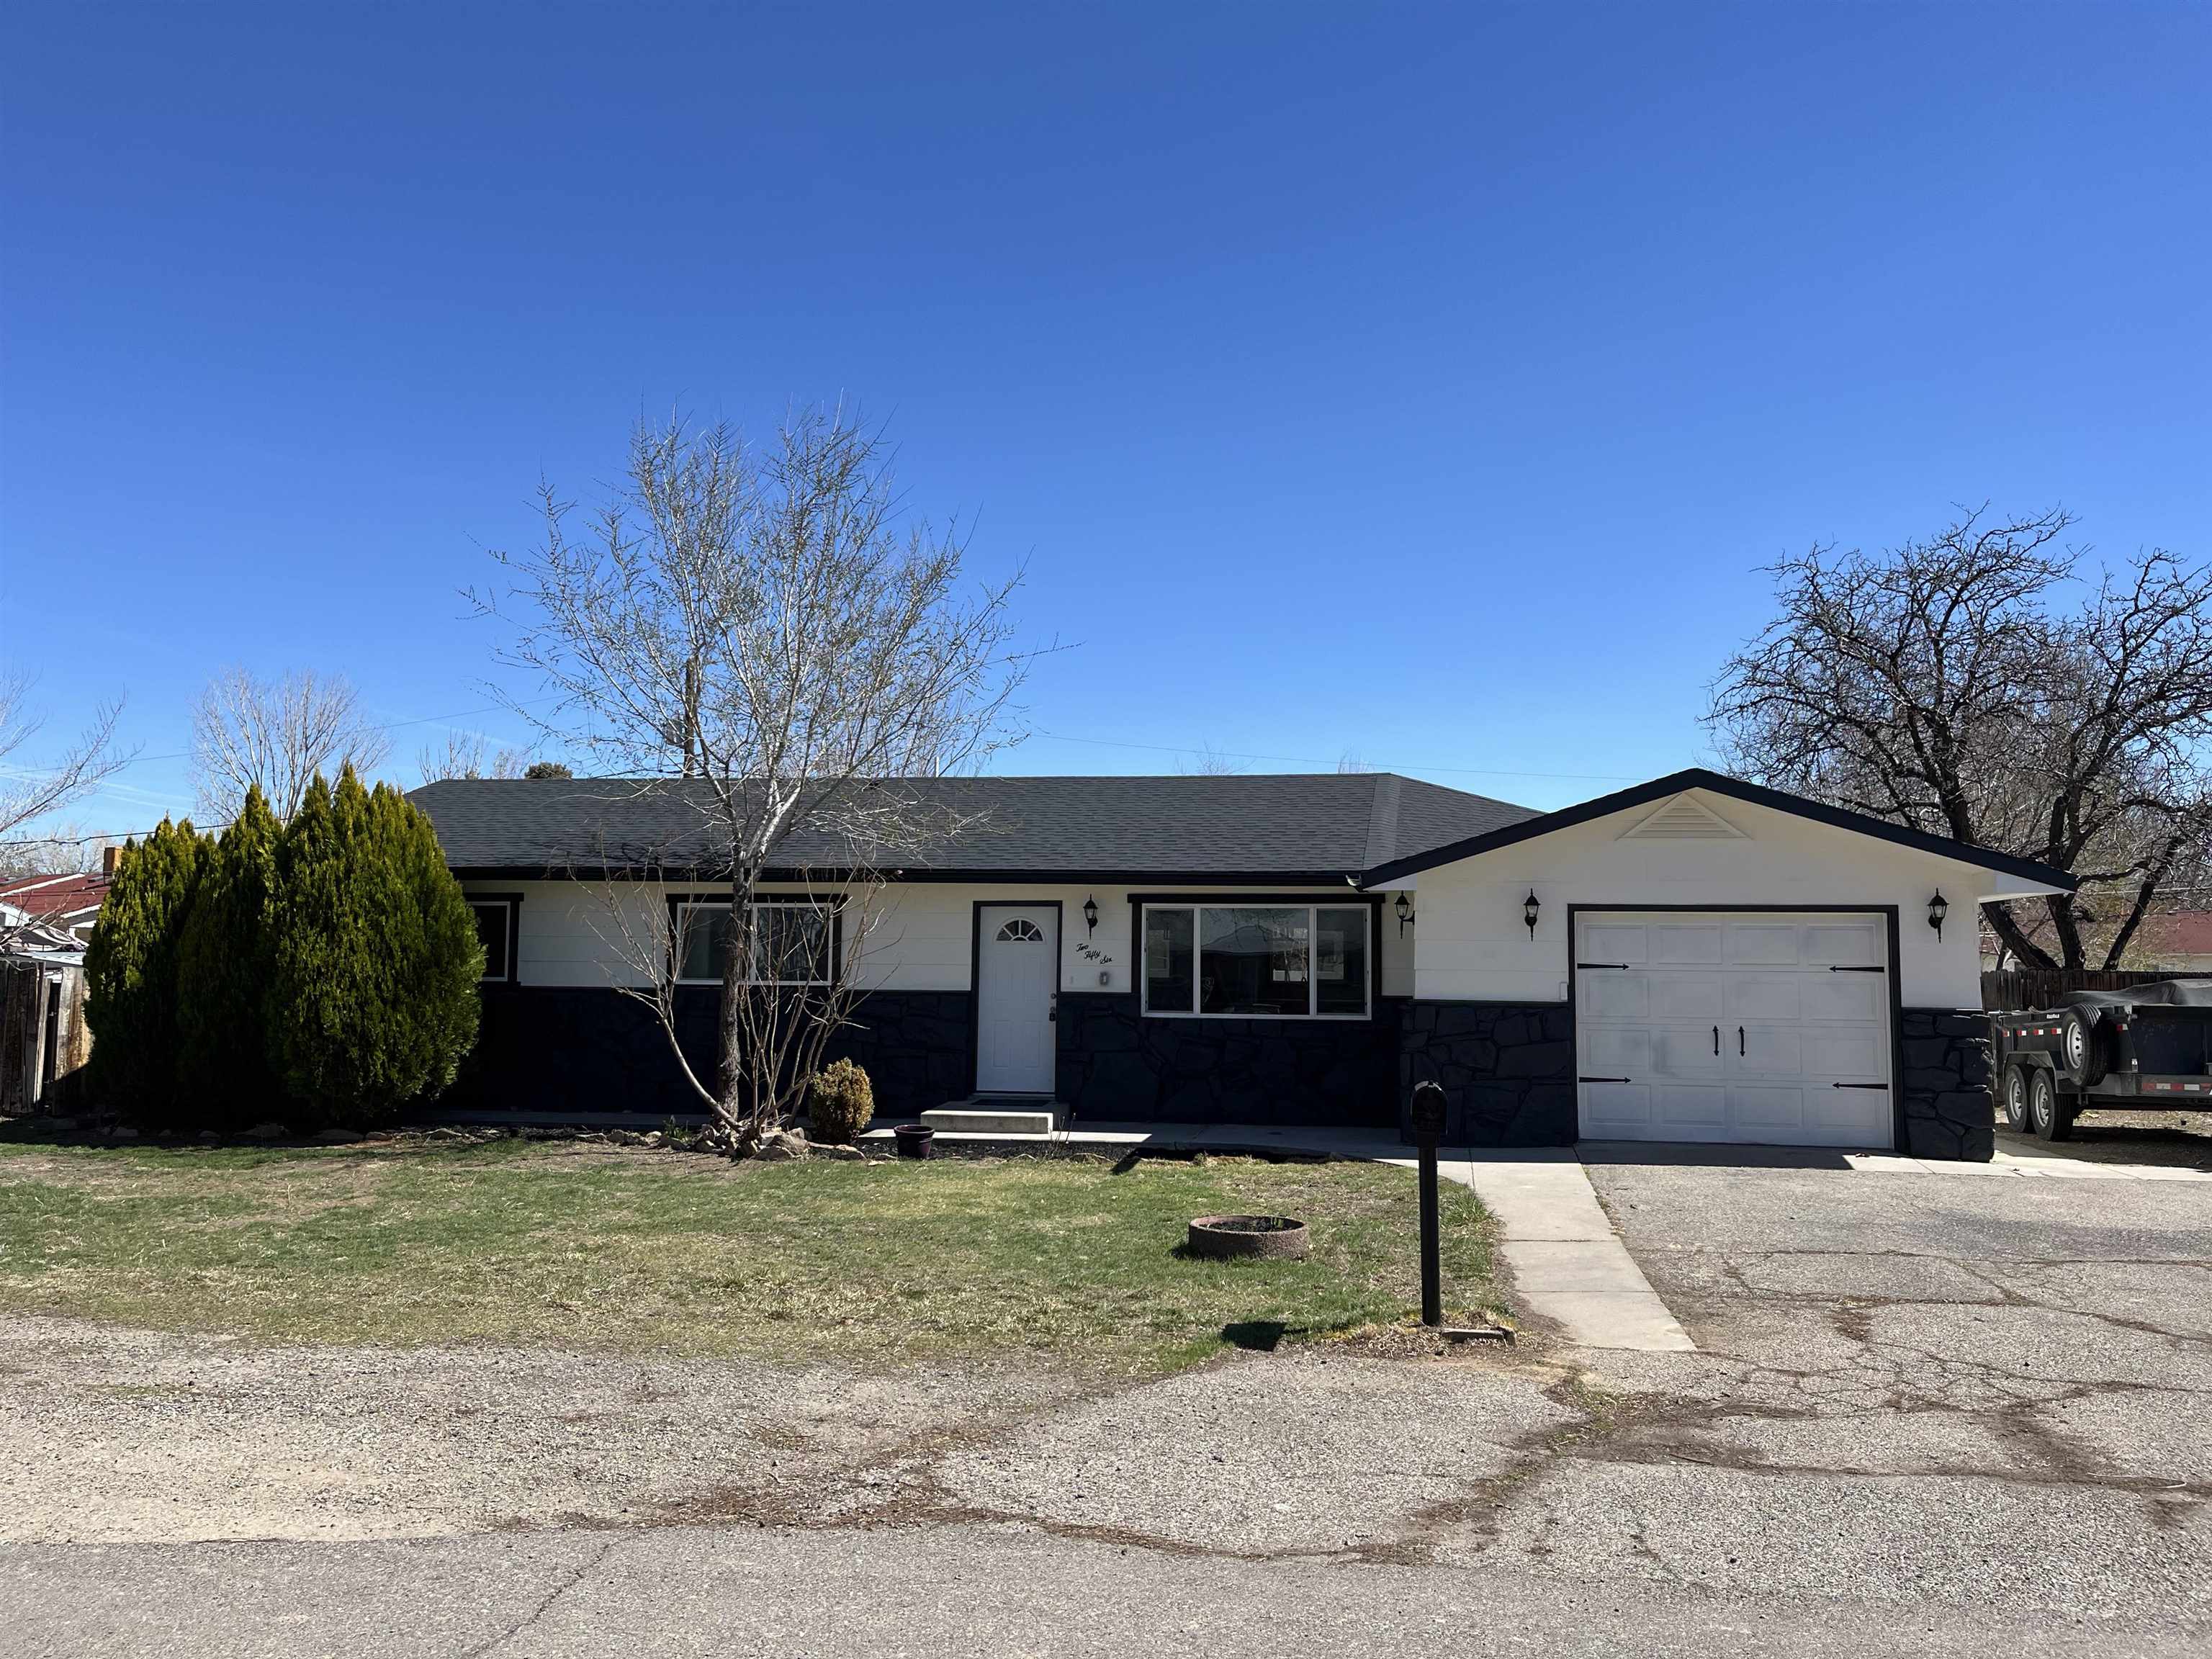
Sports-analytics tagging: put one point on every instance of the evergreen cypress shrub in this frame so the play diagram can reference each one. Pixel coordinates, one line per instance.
(223, 1078)
(130, 967)
(371, 996)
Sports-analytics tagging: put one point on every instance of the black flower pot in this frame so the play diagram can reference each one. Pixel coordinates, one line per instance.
(914, 1139)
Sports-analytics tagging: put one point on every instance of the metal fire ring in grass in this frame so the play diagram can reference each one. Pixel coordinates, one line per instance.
(1276, 1237)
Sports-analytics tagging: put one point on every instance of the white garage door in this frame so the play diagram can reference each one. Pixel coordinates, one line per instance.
(1754, 1027)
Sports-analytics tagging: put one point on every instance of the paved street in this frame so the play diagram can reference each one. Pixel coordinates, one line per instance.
(1927, 1413)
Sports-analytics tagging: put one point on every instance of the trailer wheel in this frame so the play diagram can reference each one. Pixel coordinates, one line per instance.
(2082, 1048)
(2052, 1118)
(2012, 1092)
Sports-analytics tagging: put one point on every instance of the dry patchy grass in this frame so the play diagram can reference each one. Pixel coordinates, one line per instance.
(414, 1242)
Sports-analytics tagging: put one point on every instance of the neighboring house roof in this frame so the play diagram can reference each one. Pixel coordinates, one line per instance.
(61, 908)
(1717, 783)
(2178, 933)
(1327, 827)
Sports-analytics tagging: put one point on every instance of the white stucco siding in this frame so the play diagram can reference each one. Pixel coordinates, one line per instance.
(569, 932)
(1471, 944)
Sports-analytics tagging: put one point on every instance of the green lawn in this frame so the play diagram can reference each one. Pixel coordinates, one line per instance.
(412, 1242)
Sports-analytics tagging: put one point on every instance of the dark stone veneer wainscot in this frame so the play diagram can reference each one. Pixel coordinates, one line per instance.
(1947, 1111)
(1114, 1064)
(554, 1049)
(1507, 1070)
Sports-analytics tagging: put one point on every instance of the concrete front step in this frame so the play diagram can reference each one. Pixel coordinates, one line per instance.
(984, 1120)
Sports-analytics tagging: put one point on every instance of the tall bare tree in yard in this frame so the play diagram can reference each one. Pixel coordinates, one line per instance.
(1976, 685)
(276, 734)
(762, 643)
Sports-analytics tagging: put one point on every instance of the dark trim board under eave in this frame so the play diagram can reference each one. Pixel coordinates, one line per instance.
(1346, 880)
(1698, 777)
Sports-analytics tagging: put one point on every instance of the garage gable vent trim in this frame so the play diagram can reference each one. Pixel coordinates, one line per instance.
(1683, 819)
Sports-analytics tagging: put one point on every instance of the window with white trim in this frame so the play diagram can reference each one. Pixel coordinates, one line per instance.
(794, 941)
(1258, 961)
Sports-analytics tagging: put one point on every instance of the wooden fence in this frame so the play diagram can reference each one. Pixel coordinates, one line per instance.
(2040, 987)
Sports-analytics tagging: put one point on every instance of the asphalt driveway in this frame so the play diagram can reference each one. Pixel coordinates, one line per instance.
(1942, 1412)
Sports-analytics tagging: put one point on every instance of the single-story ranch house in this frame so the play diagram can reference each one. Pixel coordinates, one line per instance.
(1694, 960)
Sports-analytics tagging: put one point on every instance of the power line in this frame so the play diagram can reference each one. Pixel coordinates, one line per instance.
(387, 726)
(1311, 759)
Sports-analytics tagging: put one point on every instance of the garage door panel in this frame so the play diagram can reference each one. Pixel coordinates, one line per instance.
(1614, 995)
(1621, 1110)
(1617, 1051)
(1686, 1114)
(1798, 1043)
(1685, 1051)
(1772, 1051)
(1687, 996)
(1845, 944)
(1764, 943)
(1686, 944)
(1613, 942)
(1766, 996)
(1859, 997)
(1842, 1055)
(1767, 1108)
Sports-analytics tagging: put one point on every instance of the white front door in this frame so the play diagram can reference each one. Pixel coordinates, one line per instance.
(1749, 1027)
(1016, 972)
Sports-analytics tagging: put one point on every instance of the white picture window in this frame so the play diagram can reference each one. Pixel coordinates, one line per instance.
(1257, 961)
(793, 942)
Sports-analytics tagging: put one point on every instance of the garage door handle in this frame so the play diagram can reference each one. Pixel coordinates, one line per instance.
(1834, 969)
(1739, 1042)
(1717, 1039)
(1621, 965)
(1884, 1087)
(1605, 1079)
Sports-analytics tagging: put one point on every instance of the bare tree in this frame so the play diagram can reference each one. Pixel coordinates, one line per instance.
(1941, 684)
(462, 756)
(1212, 763)
(766, 626)
(31, 791)
(1350, 762)
(278, 734)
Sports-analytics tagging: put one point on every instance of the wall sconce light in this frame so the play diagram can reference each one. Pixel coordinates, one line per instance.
(1529, 907)
(1405, 913)
(1090, 916)
(1938, 907)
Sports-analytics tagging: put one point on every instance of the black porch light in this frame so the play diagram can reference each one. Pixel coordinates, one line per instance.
(1938, 907)
(1529, 907)
(1090, 916)
(1405, 910)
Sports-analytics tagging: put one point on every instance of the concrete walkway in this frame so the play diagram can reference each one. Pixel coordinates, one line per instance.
(1568, 1263)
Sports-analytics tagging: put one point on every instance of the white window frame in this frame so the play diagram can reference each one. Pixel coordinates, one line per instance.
(683, 908)
(512, 906)
(1197, 950)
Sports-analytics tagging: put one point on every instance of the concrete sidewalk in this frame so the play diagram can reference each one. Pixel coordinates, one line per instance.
(1568, 1263)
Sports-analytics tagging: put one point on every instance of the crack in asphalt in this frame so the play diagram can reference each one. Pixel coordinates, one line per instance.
(546, 1603)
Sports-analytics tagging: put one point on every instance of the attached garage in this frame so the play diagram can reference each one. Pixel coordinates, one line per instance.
(1714, 1025)
(1702, 959)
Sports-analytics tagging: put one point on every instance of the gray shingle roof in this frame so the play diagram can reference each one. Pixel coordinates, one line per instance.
(1321, 827)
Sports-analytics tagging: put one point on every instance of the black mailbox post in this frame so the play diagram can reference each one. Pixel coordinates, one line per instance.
(1428, 1115)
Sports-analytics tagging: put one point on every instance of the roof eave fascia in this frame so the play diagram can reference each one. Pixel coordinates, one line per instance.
(1674, 783)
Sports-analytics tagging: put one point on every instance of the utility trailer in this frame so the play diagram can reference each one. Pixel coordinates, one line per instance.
(2146, 1048)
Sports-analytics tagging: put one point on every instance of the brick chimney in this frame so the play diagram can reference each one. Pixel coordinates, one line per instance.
(108, 855)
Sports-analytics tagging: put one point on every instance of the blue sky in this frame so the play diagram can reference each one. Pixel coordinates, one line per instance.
(1425, 382)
